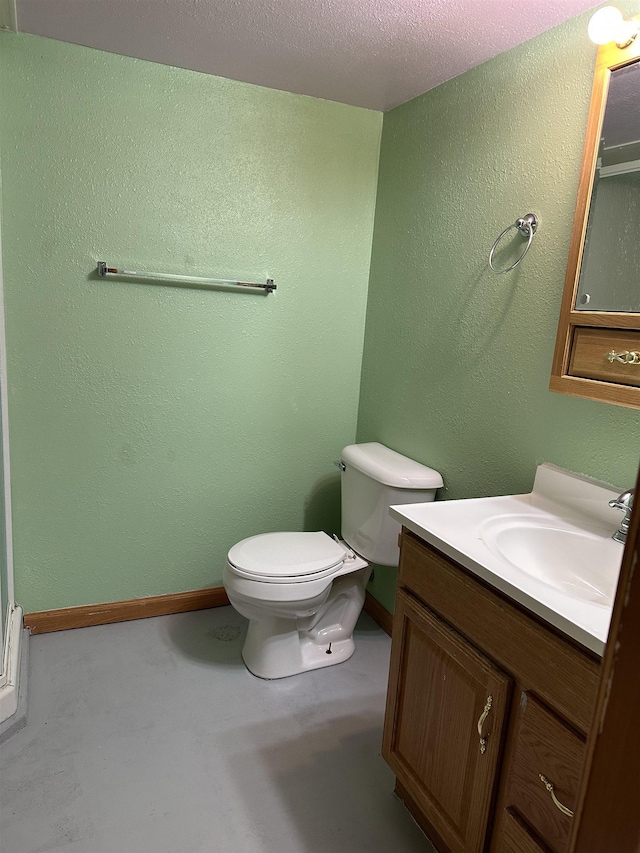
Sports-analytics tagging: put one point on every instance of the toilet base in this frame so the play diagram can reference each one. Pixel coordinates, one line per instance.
(292, 655)
(278, 647)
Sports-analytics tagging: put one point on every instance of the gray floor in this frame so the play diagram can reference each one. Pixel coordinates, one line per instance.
(152, 736)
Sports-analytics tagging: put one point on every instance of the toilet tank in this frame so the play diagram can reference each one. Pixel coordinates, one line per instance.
(373, 479)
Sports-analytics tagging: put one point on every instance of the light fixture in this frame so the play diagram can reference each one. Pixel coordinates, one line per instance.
(608, 25)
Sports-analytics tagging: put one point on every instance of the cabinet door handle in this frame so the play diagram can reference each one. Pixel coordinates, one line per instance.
(483, 717)
(625, 357)
(547, 784)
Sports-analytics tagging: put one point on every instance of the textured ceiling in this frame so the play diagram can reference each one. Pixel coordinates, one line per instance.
(371, 53)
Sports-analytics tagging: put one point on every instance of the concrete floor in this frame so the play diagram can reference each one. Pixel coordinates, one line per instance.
(152, 736)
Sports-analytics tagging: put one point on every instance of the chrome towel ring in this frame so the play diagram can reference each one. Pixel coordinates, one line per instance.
(527, 226)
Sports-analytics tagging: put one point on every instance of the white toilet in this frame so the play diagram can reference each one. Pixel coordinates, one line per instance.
(303, 592)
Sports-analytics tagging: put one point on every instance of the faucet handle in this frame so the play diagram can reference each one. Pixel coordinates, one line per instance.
(623, 501)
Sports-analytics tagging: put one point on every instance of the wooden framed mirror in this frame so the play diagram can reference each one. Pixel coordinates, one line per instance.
(597, 352)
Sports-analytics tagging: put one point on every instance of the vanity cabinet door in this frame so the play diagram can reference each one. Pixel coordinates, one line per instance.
(444, 724)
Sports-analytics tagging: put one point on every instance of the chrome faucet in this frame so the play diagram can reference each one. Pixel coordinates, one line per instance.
(625, 503)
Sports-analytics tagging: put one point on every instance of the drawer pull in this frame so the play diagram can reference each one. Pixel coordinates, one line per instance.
(483, 717)
(624, 357)
(547, 784)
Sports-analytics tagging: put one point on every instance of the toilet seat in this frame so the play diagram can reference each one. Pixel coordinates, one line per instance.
(287, 557)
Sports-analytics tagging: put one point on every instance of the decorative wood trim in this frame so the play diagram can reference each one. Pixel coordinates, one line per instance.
(604, 319)
(43, 621)
(378, 613)
(593, 389)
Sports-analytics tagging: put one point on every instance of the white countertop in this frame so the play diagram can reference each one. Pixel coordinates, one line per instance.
(559, 500)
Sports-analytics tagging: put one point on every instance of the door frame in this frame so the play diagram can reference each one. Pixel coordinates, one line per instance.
(607, 814)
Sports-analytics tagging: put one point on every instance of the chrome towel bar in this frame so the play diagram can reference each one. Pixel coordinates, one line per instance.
(104, 270)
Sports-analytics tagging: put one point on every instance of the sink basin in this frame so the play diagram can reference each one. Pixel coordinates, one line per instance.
(578, 563)
(550, 550)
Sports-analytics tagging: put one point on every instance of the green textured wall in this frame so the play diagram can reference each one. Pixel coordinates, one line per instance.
(457, 360)
(152, 427)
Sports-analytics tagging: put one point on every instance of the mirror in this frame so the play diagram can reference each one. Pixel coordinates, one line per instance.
(610, 270)
(597, 353)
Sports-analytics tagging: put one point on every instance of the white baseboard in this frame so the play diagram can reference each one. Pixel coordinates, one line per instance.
(9, 690)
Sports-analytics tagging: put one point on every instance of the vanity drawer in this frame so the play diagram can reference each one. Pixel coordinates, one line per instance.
(590, 350)
(545, 746)
(516, 839)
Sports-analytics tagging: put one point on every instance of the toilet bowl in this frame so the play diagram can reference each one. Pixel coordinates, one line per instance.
(303, 592)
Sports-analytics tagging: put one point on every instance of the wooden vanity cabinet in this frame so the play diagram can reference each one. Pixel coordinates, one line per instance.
(442, 687)
(483, 699)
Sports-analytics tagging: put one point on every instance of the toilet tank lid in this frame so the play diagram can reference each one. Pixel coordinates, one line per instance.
(390, 468)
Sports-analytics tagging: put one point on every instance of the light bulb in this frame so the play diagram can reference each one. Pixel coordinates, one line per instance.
(606, 25)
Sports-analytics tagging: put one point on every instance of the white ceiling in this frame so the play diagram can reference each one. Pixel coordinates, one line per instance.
(371, 53)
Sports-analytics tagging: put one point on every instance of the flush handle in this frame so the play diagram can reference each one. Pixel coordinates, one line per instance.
(481, 721)
(340, 464)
